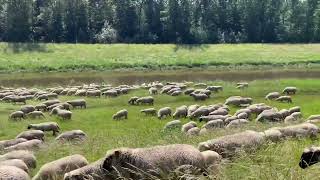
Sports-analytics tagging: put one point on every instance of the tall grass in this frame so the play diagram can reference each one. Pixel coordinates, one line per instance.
(273, 161)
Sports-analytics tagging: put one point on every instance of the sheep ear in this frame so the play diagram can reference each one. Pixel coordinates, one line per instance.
(117, 154)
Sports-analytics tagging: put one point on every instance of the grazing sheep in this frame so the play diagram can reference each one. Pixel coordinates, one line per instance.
(78, 103)
(290, 90)
(153, 91)
(47, 126)
(213, 124)
(64, 114)
(144, 163)
(220, 111)
(26, 156)
(243, 116)
(31, 134)
(17, 115)
(195, 131)
(295, 109)
(120, 114)
(314, 117)
(11, 142)
(145, 100)
(30, 145)
(65, 106)
(19, 99)
(272, 96)
(213, 117)
(237, 123)
(215, 88)
(110, 93)
(192, 108)
(36, 114)
(238, 101)
(287, 99)
(42, 97)
(199, 97)
(258, 108)
(290, 119)
(93, 93)
(201, 111)
(229, 119)
(176, 124)
(13, 173)
(164, 112)
(51, 102)
(211, 158)
(16, 163)
(41, 107)
(229, 144)
(273, 135)
(92, 171)
(56, 169)
(188, 91)
(186, 127)
(242, 85)
(149, 111)
(309, 157)
(181, 112)
(133, 100)
(176, 93)
(27, 109)
(269, 115)
(297, 115)
(299, 130)
(74, 135)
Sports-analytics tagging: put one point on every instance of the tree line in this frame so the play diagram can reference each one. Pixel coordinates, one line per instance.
(160, 21)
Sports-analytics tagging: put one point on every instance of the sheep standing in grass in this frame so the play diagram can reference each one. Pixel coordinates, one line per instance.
(19, 99)
(78, 103)
(199, 97)
(133, 100)
(16, 163)
(144, 163)
(186, 127)
(192, 108)
(176, 124)
(56, 169)
(153, 91)
(74, 135)
(51, 102)
(229, 144)
(164, 112)
(30, 145)
(309, 157)
(36, 114)
(299, 130)
(13, 173)
(41, 107)
(290, 90)
(145, 100)
(64, 114)
(31, 134)
(149, 111)
(26, 156)
(27, 109)
(287, 99)
(181, 112)
(272, 96)
(17, 115)
(47, 126)
(120, 114)
(295, 109)
(11, 142)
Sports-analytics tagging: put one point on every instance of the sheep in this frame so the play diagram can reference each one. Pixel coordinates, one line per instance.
(309, 157)
(120, 114)
(229, 119)
(27, 109)
(17, 115)
(213, 124)
(11, 142)
(47, 126)
(299, 130)
(211, 158)
(201, 111)
(269, 115)
(26, 156)
(272, 96)
(56, 169)
(314, 117)
(273, 135)
(110, 93)
(33, 144)
(164, 112)
(242, 85)
(290, 90)
(16, 163)
(65, 106)
(238, 101)
(145, 100)
(93, 93)
(42, 97)
(13, 173)
(243, 116)
(287, 99)
(213, 117)
(31, 134)
(229, 144)
(237, 123)
(153, 91)
(199, 97)
(195, 131)
(215, 88)
(78, 103)
(144, 163)
(149, 111)
(181, 112)
(220, 111)
(64, 114)
(133, 100)
(19, 99)
(76, 135)
(192, 108)
(91, 171)
(295, 109)
(186, 127)
(35, 114)
(40, 107)
(51, 102)
(258, 108)
(188, 91)
(176, 93)
(289, 119)
(173, 125)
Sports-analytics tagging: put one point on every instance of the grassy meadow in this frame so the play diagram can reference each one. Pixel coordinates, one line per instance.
(273, 161)
(100, 57)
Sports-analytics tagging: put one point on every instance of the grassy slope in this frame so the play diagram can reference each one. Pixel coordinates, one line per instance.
(275, 160)
(62, 57)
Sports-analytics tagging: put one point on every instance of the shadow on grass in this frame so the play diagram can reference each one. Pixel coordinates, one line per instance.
(25, 47)
(190, 47)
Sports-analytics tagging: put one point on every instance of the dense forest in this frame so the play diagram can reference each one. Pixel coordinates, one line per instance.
(160, 21)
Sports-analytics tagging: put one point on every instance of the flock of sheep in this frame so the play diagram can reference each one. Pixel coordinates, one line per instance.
(153, 162)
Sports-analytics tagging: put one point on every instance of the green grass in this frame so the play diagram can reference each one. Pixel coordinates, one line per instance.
(79, 57)
(273, 161)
